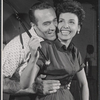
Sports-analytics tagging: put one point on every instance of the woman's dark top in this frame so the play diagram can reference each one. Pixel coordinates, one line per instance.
(64, 64)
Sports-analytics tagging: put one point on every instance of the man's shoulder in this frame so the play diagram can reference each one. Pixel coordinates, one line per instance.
(12, 45)
(16, 40)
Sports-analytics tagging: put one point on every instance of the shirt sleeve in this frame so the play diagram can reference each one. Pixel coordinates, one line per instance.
(80, 60)
(41, 59)
(12, 57)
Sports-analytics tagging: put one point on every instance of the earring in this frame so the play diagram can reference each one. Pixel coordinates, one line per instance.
(77, 32)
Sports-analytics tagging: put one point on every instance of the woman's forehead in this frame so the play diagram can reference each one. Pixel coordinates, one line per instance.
(68, 15)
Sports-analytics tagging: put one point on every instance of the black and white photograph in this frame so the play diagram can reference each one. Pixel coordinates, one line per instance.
(50, 50)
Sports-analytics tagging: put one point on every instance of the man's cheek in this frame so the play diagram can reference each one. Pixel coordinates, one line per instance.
(59, 26)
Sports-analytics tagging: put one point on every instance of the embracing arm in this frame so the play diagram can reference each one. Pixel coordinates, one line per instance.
(29, 74)
(10, 86)
(11, 58)
(83, 84)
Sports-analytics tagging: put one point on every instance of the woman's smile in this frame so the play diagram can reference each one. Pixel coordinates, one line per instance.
(65, 32)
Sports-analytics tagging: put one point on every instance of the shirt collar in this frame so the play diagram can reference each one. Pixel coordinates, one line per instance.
(61, 46)
(33, 33)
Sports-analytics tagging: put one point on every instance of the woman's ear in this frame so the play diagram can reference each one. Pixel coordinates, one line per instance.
(79, 28)
(78, 31)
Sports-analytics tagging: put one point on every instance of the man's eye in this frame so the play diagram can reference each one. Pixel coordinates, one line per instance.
(48, 23)
(55, 22)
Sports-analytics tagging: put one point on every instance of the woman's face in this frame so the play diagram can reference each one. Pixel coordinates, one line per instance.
(68, 26)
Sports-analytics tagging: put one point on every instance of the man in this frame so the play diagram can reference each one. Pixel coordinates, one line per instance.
(16, 54)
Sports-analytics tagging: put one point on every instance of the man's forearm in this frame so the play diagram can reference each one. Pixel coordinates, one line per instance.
(10, 86)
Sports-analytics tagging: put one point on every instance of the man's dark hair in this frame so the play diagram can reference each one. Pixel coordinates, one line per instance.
(71, 7)
(39, 5)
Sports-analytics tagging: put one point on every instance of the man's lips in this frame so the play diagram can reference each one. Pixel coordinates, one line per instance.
(51, 32)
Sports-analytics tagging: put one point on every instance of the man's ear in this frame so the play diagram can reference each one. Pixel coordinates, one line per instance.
(33, 25)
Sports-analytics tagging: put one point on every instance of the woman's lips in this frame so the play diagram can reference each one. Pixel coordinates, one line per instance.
(64, 32)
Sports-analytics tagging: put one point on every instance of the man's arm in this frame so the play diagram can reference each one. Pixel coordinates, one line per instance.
(44, 87)
(10, 86)
(12, 58)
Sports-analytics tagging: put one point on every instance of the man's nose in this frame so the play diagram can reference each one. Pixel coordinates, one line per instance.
(53, 26)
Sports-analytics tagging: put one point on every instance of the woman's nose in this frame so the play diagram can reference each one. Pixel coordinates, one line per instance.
(66, 25)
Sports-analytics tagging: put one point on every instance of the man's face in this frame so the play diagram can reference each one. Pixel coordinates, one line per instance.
(46, 23)
(68, 26)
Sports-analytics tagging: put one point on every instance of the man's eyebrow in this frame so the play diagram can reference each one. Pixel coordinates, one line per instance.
(55, 19)
(47, 21)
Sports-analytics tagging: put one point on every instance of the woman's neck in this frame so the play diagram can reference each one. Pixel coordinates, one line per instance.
(65, 42)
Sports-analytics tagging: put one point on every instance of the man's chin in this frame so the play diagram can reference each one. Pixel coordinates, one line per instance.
(52, 38)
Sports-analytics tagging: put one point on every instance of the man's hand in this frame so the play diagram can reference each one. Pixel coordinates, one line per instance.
(33, 45)
(44, 87)
(10, 86)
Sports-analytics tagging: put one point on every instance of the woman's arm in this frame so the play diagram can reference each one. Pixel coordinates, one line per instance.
(29, 74)
(83, 84)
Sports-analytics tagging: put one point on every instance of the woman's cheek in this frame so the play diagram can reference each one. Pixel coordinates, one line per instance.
(59, 26)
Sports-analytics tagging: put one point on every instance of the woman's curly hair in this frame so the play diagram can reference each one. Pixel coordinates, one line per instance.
(71, 7)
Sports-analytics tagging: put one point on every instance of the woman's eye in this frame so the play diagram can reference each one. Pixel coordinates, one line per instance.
(72, 22)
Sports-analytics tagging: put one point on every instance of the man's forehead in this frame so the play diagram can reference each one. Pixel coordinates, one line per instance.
(45, 13)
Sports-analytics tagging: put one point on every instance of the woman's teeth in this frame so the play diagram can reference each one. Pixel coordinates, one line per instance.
(65, 32)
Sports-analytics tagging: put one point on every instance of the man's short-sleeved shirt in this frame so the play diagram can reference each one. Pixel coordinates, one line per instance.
(15, 58)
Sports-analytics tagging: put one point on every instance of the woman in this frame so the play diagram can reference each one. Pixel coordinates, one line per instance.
(65, 59)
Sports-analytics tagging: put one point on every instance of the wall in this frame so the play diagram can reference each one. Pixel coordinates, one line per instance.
(88, 33)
